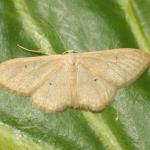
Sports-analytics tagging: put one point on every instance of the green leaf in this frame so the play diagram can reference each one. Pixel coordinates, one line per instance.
(82, 25)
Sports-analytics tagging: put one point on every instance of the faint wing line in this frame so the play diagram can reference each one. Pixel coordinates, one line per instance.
(52, 71)
(108, 63)
(111, 62)
(94, 74)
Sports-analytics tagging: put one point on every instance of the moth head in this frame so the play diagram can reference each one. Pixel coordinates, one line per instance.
(70, 51)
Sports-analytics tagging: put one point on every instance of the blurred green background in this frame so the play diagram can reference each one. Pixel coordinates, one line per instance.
(82, 25)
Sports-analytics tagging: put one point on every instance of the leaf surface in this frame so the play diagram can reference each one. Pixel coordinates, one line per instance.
(82, 25)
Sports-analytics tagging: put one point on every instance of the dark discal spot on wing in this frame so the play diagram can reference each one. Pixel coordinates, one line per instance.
(116, 57)
(95, 79)
(50, 83)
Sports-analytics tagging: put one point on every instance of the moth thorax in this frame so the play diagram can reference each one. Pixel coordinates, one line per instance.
(72, 58)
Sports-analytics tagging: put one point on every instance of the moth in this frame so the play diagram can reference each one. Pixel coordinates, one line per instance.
(87, 80)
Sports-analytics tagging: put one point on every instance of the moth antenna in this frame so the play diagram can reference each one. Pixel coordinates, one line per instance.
(44, 52)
